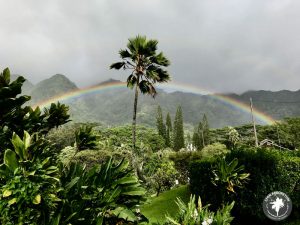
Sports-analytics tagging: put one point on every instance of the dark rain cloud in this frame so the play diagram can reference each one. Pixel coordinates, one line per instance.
(221, 45)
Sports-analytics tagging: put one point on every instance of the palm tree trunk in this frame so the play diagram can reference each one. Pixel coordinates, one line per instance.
(134, 116)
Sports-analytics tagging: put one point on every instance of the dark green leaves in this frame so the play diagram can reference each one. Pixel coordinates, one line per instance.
(124, 54)
(10, 160)
(117, 65)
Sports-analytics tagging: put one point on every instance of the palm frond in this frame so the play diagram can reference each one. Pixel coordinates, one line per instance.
(157, 74)
(125, 54)
(117, 65)
(131, 81)
(150, 47)
(147, 88)
(137, 44)
(160, 59)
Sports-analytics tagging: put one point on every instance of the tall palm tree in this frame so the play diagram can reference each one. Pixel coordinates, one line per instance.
(147, 69)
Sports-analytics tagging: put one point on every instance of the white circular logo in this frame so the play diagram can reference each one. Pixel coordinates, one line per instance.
(277, 206)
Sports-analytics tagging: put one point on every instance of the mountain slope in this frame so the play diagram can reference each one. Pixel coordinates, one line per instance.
(114, 106)
(48, 88)
(279, 104)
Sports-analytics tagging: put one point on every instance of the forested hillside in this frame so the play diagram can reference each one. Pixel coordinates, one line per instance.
(113, 106)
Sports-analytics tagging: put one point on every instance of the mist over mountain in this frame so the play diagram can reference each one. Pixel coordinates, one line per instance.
(48, 88)
(115, 106)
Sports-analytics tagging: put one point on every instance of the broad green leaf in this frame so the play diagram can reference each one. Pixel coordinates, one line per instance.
(71, 216)
(12, 201)
(6, 75)
(46, 161)
(18, 145)
(7, 193)
(10, 160)
(134, 191)
(72, 183)
(126, 180)
(56, 219)
(125, 214)
(4, 171)
(37, 199)
(26, 140)
(99, 220)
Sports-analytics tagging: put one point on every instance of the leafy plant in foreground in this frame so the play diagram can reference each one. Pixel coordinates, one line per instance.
(192, 214)
(85, 139)
(29, 186)
(227, 176)
(104, 194)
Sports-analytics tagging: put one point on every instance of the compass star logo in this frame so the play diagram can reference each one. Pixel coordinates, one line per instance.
(277, 206)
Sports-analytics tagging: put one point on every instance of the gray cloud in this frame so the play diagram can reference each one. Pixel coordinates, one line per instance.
(221, 45)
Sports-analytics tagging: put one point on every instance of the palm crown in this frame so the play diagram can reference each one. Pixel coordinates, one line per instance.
(146, 64)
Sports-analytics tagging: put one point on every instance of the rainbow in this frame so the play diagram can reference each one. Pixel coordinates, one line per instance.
(259, 115)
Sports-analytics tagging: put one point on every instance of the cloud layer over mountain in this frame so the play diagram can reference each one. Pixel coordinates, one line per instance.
(221, 45)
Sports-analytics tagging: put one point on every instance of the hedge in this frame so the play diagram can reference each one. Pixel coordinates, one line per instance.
(270, 170)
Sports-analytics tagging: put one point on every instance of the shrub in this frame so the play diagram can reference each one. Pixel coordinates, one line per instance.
(181, 161)
(192, 214)
(85, 139)
(106, 194)
(29, 185)
(214, 150)
(89, 157)
(119, 136)
(165, 176)
(270, 170)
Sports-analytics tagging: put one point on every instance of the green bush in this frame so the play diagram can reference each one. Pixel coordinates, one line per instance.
(90, 157)
(122, 135)
(214, 150)
(28, 184)
(270, 170)
(181, 161)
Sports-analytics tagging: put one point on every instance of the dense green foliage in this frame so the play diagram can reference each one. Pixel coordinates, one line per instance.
(15, 118)
(37, 189)
(270, 170)
(29, 184)
(85, 138)
(121, 137)
(103, 194)
(214, 150)
(164, 177)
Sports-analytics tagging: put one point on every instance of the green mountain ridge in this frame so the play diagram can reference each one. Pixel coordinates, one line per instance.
(115, 106)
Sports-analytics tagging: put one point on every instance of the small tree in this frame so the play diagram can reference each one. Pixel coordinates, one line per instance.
(168, 130)
(178, 133)
(165, 177)
(196, 139)
(233, 137)
(161, 127)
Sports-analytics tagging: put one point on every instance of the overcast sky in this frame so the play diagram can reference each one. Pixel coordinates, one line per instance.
(220, 45)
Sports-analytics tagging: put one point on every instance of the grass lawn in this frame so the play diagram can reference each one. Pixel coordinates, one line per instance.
(159, 206)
